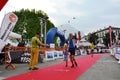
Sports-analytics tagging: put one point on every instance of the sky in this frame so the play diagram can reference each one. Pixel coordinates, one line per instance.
(84, 15)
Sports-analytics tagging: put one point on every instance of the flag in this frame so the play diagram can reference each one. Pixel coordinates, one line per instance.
(7, 26)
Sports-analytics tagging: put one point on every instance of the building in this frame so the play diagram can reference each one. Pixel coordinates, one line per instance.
(101, 33)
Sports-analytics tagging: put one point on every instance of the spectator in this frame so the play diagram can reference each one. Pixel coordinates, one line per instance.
(21, 43)
(36, 43)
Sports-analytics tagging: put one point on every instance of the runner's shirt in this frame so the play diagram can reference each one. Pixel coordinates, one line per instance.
(71, 44)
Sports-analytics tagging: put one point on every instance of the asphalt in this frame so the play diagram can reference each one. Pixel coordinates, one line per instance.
(107, 68)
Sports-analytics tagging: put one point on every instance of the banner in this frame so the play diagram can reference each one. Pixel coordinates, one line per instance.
(52, 55)
(22, 57)
(117, 52)
(7, 26)
(49, 55)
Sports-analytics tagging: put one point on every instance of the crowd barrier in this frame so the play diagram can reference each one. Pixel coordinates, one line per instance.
(115, 51)
(15, 54)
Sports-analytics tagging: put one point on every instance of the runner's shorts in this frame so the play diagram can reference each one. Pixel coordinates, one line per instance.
(72, 51)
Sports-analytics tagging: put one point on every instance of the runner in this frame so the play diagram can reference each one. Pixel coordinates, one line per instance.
(92, 49)
(72, 50)
(65, 52)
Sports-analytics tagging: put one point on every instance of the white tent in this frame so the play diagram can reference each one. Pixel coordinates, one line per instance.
(14, 35)
(83, 42)
(100, 45)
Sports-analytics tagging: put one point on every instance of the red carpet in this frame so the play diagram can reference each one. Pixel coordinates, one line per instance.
(59, 71)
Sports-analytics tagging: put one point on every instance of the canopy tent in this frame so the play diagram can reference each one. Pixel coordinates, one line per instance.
(13, 39)
(14, 35)
(100, 45)
(83, 42)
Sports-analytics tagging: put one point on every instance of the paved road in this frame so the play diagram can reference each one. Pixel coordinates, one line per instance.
(106, 68)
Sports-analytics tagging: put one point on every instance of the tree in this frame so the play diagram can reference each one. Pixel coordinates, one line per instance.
(119, 36)
(29, 22)
(93, 38)
(106, 38)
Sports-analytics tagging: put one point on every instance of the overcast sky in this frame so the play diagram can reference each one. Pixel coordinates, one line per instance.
(84, 15)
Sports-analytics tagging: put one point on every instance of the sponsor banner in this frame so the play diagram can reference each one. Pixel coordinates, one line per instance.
(56, 55)
(7, 26)
(21, 57)
(117, 52)
(52, 55)
(60, 54)
(49, 55)
(52, 45)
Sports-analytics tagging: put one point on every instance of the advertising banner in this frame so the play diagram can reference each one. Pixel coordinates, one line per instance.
(49, 55)
(21, 57)
(52, 55)
(117, 52)
(60, 54)
(56, 55)
(7, 26)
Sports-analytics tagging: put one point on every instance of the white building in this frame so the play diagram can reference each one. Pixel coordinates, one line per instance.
(101, 33)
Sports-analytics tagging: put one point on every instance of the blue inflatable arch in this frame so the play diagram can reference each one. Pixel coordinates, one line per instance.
(52, 33)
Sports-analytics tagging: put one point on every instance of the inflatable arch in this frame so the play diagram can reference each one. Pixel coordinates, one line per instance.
(52, 33)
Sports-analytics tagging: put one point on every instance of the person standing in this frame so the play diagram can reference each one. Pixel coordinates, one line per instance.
(36, 43)
(21, 43)
(72, 50)
(65, 52)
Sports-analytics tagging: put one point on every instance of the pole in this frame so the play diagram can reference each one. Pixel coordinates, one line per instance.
(45, 24)
(41, 24)
(45, 31)
(110, 32)
(64, 31)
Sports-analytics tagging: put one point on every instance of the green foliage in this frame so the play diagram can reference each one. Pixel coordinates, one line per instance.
(55, 40)
(93, 38)
(29, 22)
(119, 36)
(106, 38)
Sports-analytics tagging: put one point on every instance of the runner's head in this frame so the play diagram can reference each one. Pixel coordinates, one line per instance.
(70, 36)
